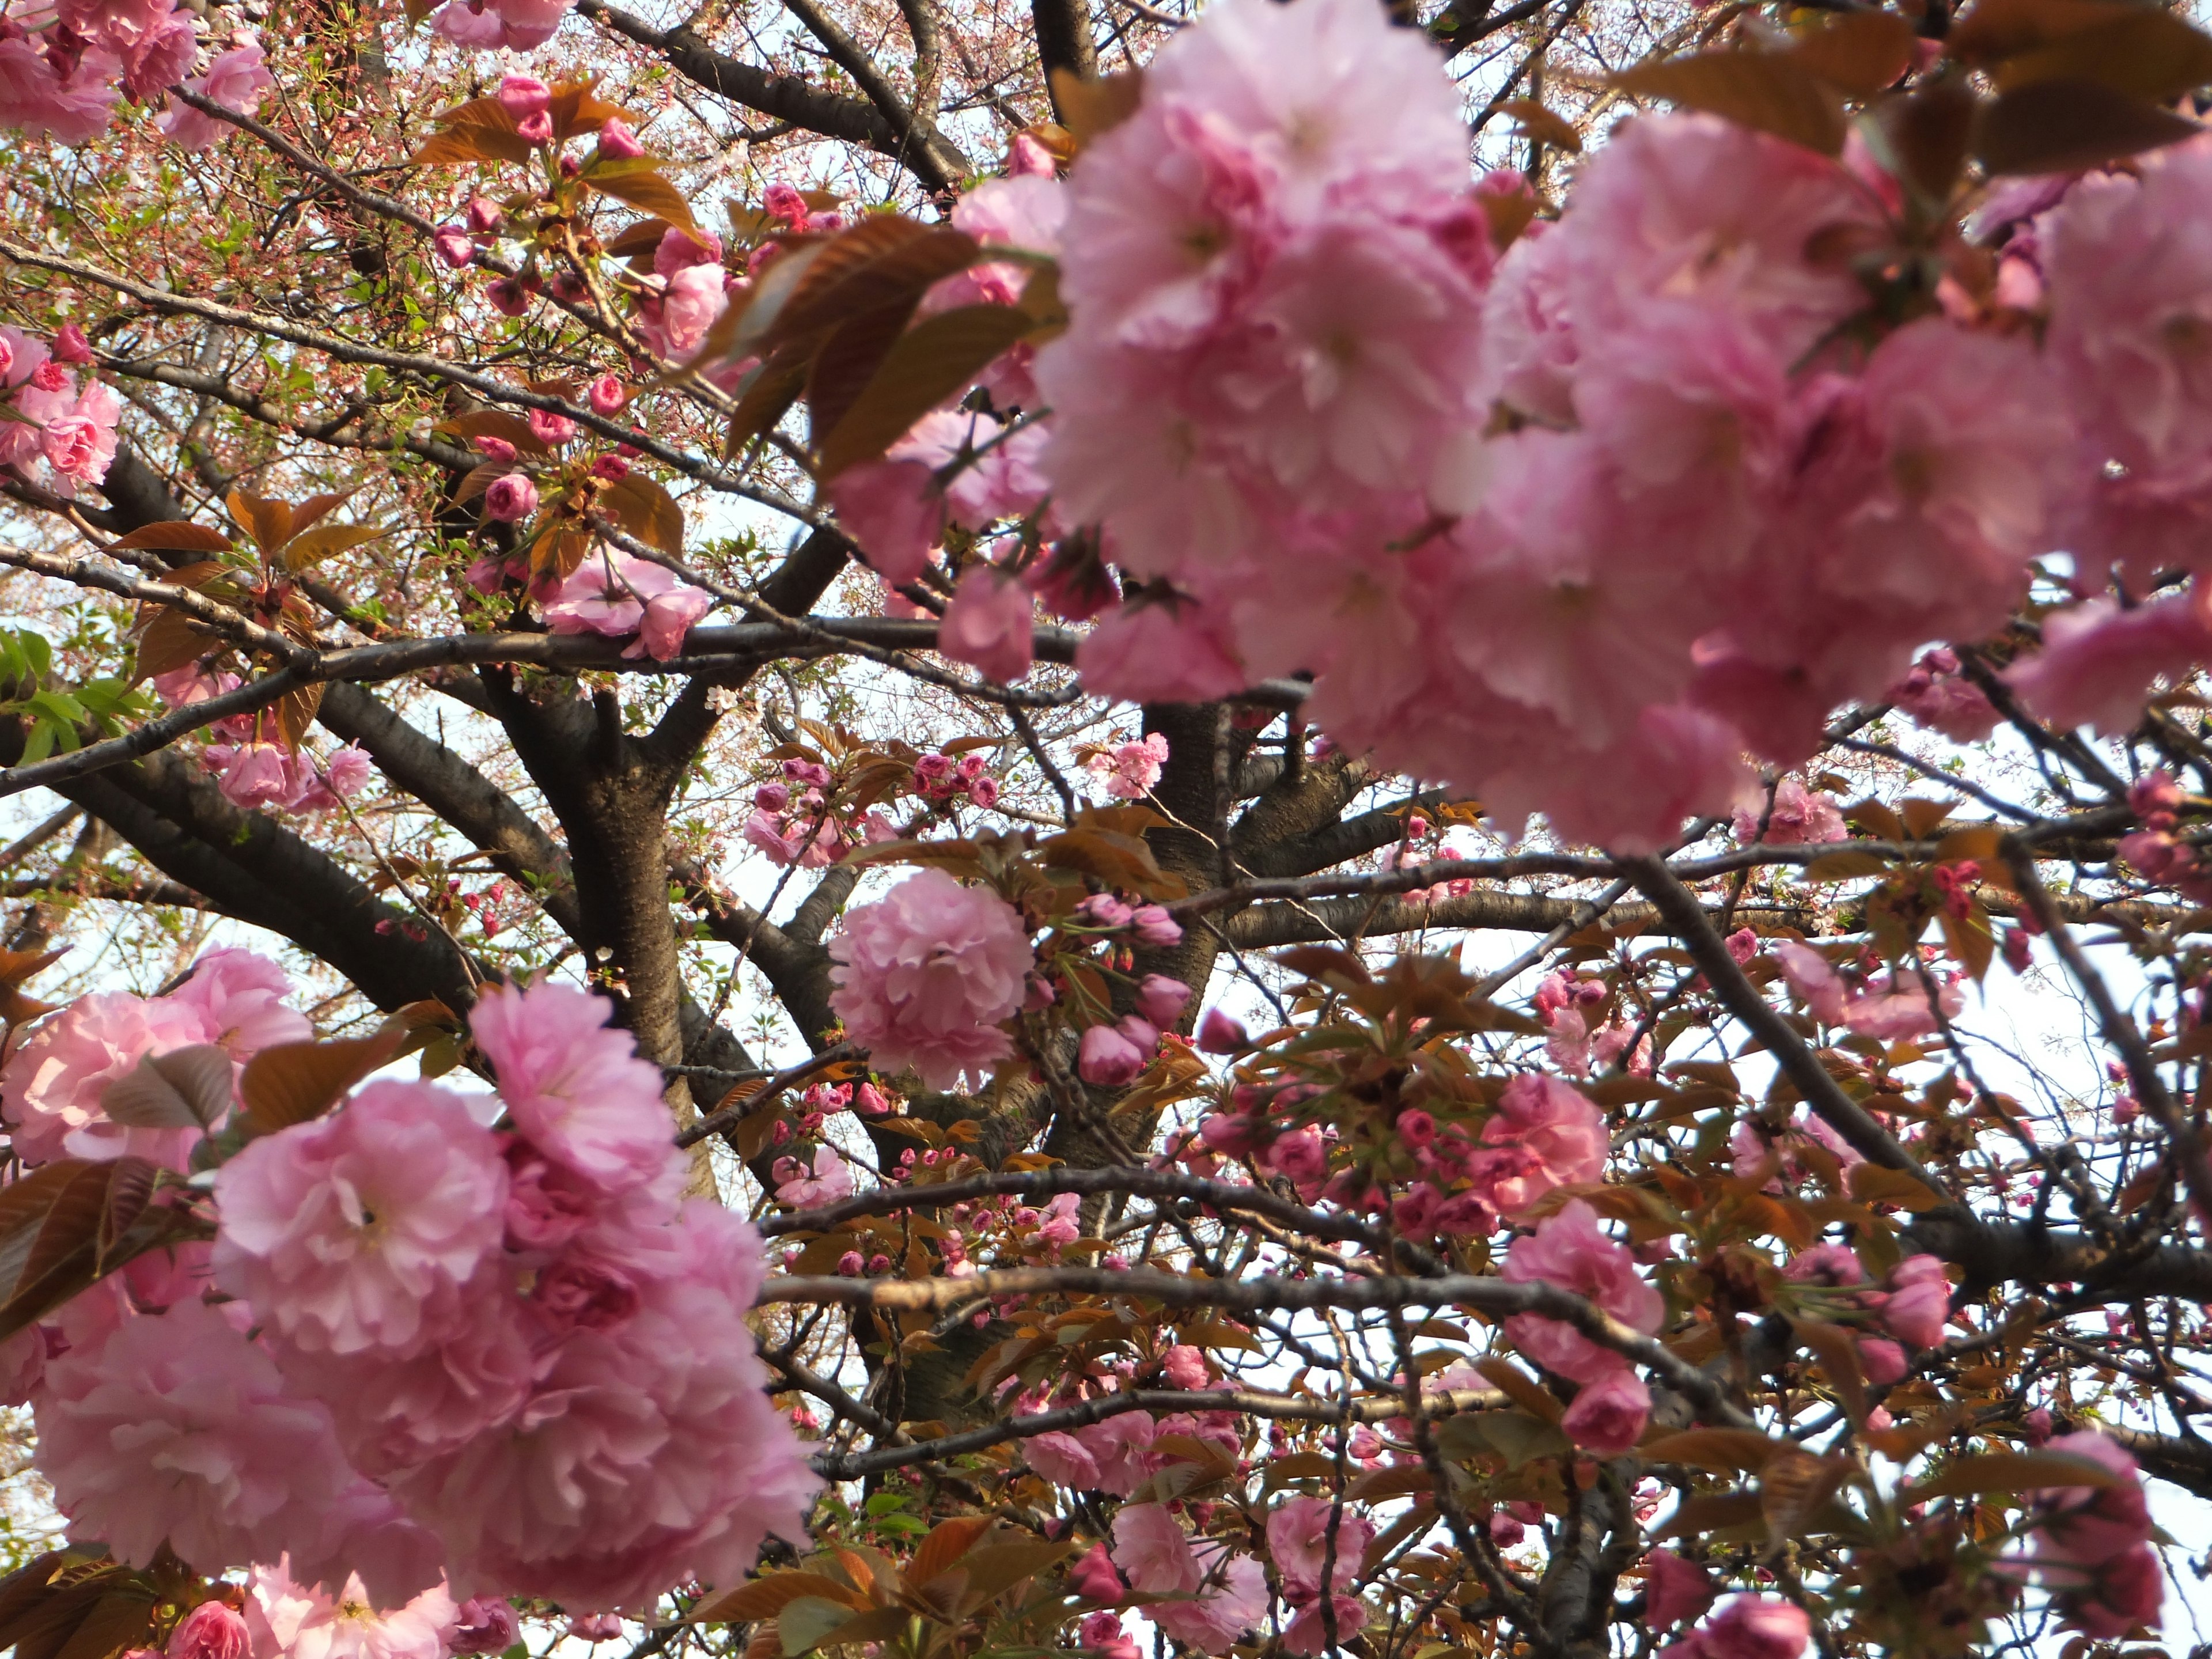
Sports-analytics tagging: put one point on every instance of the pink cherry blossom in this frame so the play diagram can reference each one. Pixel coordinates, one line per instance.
(237, 81)
(616, 594)
(576, 1089)
(1159, 651)
(829, 1179)
(210, 1630)
(1797, 816)
(1556, 1134)
(1608, 1415)
(175, 1428)
(1298, 1543)
(1919, 1304)
(1749, 1627)
(987, 625)
(2099, 663)
(1569, 1251)
(510, 498)
(1130, 770)
(242, 993)
(1108, 1058)
(44, 93)
(1233, 1599)
(359, 1230)
(51, 1087)
(925, 975)
(1676, 1590)
(1064, 1460)
(286, 1620)
(692, 304)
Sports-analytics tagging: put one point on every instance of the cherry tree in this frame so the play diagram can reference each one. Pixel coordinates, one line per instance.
(948, 831)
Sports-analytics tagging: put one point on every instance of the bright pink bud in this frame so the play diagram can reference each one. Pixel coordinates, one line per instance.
(1160, 999)
(612, 468)
(1416, 1129)
(618, 143)
(535, 128)
(496, 449)
(70, 346)
(551, 429)
(608, 396)
(1882, 1360)
(1222, 1034)
(484, 216)
(1156, 927)
(2036, 1425)
(511, 498)
(1231, 1133)
(525, 95)
(453, 246)
(210, 1630)
(1107, 1057)
(1094, 1578)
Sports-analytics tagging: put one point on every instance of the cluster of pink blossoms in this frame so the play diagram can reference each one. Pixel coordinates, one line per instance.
(793, 822)
(65, 436)
(1577, 525)
(2093, 1545)
(616, 595)
(437, 1338)
(253, 772)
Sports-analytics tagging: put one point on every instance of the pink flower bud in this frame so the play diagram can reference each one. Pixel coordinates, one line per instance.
(1107, 1057)
(511, 498)
(70, 346)
(1416, 1129)
(570, 166)
(1882, 1360)
(210, 1630)
(1094, 1578)
(849, 1264)
(1156, 927)
(525, 95)
(1160, 999)
(535, 128)
(551, 429)
(595, 1627)
(484, 216)
(453, 246)
(1222, 1034)
(1100, 910)
(618, 143)
(2036, 1425)
(608, 396)
(508, 297)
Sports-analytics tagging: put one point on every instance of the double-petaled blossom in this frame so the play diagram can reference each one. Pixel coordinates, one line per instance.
(925, 975)
(617, 595)
(1570, 1252)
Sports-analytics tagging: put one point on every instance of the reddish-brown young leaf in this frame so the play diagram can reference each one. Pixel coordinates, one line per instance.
(927, 364)
(177, 536)
(1769, 91)
(297, 1082)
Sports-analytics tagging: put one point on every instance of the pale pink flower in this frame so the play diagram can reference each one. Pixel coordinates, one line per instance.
(80, 443)
(290, 1620)
(1798, 815)
(1560, 1130)
(1749, 1627)
(1130, 770)
(1185, 1366)
(925, 975)
(1153, 1550)
(616, 594)
(1919, 1304)
(1299, 1542)
(830, 1179)
(50, 1090)
(1119, 1447)
(1608, 1415)
(242, 993)
(210, 1630)
(1570, 1252)
(1108, 1058)
(987, 625)
(237, 81)
(1159, 651)
(258, 774)
(1064, 1460)
(1676, 1589)
(894, 510)
(1161, 999)
(1233, 1599)
(1309, 1632)
(358, 1230)
(2099, 664)
(693, 303)
(38, 97)
(575, 1089)
(176, 1428)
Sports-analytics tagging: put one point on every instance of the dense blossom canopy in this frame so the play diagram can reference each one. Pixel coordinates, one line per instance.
(1117, 837)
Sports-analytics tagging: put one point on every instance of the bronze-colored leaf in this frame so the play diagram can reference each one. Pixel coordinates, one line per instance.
(1771, 92)
(186, 1088)
(765, 394)
(1546, 126)
(177, 536)
(1859, 52)
(2057, 126)
(766, 1597)
(1851, 865)
(269, 523)
(576, 108)
(846, 361)
(995, 1569)
(1995, 30)
(295, 712)
(647, 511)
(879, 262)
(297, 1082)
(1926, 135)
(494, 423)
(641, 237)
(947, 1542)
(316, 545)
(170, 639)
(479, 479)
(482, 130)
(1838, 1351)
(2007, 1471)
(1793, 1486)
(1715, 1449)
(1090, 109)
(928, 364)
(310, 512)
(2145, 51)
(1870, 1183)
(639, 182)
